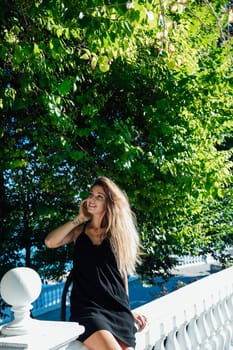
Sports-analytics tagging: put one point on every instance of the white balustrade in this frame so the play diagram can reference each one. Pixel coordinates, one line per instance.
(51, 294)
(49, 299)
(192, 259)
(198, 316)
(19, 287)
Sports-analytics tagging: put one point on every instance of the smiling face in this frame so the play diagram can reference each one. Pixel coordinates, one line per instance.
(96, 201)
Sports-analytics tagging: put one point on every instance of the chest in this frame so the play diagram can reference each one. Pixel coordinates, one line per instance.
(86, 253)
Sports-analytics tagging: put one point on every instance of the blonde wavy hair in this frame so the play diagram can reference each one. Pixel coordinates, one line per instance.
(120, 224)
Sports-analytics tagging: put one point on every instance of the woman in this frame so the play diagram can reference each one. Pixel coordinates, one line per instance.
(106, 247)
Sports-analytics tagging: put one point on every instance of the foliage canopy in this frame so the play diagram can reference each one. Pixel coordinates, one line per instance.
(138, 91)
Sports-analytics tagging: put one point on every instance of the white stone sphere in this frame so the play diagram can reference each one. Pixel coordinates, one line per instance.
(20, 286)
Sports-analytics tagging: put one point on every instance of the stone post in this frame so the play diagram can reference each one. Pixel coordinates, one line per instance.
(19, 287)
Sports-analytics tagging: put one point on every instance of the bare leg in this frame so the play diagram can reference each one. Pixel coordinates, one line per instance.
(124, 346)
(104, 340)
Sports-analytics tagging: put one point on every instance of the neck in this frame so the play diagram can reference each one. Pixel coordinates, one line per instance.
(96, 228)
(96, 222)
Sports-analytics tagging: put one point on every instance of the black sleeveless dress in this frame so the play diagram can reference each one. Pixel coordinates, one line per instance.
(98, 298)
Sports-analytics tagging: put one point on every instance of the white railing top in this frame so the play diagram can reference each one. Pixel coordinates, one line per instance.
(197, 316)
(171, 311)
(51, 294)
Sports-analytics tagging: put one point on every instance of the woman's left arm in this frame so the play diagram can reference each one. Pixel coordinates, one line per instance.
(140, 320)
(125, 279)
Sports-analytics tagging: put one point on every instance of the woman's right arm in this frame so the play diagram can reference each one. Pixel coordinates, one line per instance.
(69, 231)
(62, 235)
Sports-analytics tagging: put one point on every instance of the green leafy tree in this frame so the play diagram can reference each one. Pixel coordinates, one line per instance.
(138, 91)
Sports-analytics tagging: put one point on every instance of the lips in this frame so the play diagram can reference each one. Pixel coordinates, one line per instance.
(91, 206)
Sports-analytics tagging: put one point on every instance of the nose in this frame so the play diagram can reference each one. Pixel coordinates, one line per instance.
(93, 197)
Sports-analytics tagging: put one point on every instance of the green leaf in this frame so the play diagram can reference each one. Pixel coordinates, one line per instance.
(65, 87)
(36, 49)
(76, 155)
(85, 56)
(18, 54)
(94, 61)
(103, 62)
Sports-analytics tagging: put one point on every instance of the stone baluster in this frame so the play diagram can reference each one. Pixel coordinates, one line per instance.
(182, 335)
(171, 341)
(193, 331)
(183, 338)
(221, 329)
(160, 344)
(229, 304)
(19, 288)
(214, 338)
(227, 322)
(204, 331)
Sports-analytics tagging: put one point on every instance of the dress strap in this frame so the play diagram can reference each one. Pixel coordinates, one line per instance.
(84, 227)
